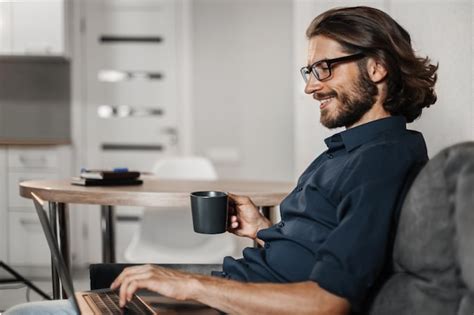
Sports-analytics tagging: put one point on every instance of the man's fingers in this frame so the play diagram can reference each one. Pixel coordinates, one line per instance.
(239, 200)
(129, 285)
(234, 223)
(127, 272)
(132, 288)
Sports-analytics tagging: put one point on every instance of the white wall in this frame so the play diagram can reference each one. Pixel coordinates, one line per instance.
(242, 92)
(446, 35)
(442, 30)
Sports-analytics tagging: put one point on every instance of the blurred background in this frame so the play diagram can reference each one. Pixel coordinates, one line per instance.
(126, 83)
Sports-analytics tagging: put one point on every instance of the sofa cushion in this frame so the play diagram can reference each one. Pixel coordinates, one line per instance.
(433, 255)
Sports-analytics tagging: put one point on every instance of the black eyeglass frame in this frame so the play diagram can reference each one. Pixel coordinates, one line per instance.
(329, 62)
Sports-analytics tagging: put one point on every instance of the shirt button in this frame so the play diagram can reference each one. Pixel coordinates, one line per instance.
(281, 224)
(299, 188)
(267, 246)
(330, 156)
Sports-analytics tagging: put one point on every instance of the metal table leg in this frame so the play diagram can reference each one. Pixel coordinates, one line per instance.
(59, 221)
(54, 228)
(108, 234)
(63, 233)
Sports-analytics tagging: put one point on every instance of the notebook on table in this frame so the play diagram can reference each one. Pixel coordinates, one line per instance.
(106, 301)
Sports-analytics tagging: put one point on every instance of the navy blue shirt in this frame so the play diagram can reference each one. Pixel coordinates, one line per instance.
(336, 223)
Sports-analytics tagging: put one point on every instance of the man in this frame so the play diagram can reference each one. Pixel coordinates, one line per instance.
(328, 253)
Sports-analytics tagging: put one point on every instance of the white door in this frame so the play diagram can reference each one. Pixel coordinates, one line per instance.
(131, 81)
(131, 90)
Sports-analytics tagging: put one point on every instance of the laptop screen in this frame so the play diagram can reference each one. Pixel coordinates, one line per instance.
(58, 261)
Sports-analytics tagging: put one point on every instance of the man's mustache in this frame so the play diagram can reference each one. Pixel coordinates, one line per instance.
(322, 96)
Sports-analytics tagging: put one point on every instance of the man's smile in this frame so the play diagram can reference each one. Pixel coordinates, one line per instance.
(324, 99)
(325, 102)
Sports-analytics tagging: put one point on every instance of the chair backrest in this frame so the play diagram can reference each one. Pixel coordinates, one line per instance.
(166, 235)
(187, 167)
(433, 253)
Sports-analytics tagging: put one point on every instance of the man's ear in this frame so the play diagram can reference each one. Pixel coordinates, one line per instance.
(376, 70)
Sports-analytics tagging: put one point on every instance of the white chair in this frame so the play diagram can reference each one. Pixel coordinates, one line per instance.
(167, 235)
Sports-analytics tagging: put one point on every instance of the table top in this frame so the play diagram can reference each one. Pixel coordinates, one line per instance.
(154, 192)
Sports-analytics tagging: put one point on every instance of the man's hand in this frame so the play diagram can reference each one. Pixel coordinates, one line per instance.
(231, 296)
(168, 282)
(245, 218)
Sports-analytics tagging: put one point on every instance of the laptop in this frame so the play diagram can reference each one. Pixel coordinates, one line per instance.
(106, 301)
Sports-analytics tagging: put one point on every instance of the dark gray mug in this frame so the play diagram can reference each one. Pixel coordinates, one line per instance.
(209, 210)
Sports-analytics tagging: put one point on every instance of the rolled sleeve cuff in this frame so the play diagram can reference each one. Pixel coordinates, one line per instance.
(340, 283)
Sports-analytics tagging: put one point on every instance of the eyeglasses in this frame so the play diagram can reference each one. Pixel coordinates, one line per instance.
(323, 68)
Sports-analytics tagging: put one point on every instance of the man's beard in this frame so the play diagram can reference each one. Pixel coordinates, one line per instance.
(353, 105)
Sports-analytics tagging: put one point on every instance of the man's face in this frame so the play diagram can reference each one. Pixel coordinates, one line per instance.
(347, 94)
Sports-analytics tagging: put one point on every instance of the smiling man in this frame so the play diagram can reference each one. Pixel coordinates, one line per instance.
(328, 254)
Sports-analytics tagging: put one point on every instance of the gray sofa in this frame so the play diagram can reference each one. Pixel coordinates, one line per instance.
(433, 254)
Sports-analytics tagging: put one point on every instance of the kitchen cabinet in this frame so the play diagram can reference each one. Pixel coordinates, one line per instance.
(23, 241)
(32, 27)
(5, 27)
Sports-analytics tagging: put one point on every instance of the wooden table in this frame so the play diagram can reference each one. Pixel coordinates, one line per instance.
(153, 193)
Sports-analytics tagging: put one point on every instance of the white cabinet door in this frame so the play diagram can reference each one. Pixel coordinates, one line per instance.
(37, 27)
(22, 233)
(14, 180)
(5, 28)
(27, 243)
(33, 158)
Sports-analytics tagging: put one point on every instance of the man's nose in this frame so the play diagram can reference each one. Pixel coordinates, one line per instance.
(313, 85)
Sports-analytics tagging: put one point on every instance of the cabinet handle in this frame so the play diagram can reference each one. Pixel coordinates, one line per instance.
(28, 161)
(28, 222)
(42, 50)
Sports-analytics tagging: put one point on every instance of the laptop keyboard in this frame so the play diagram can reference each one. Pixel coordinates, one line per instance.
(108, 303)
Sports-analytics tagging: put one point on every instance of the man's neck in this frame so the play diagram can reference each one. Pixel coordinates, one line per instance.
(375, 113)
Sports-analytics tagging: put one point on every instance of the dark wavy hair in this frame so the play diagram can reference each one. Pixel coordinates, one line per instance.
(410, 79)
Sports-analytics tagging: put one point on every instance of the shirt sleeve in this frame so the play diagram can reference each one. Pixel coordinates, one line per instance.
(353, 255)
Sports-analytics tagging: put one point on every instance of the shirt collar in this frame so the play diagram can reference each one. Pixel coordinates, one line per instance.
(354, 137)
